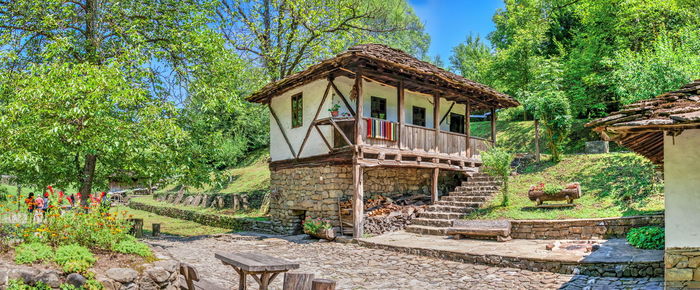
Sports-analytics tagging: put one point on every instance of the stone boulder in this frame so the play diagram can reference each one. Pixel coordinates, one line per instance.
(122, 275)
(76, 280)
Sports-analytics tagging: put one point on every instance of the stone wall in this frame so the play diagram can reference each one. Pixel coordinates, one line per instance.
(162, 274)
(682, 268)
(234, 201)
(214, 220)
(581, 229)
(315, 190)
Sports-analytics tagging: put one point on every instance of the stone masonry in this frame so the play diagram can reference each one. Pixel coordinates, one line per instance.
(682, 268)
(581, 229)
(315, 190)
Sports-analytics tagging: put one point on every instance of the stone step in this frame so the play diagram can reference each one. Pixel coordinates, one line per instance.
(441, 215)
(447, 208)
(426, 230)
(472, 193)
(431, 222)
(484, 178)
(459, 203)
(477, 188)
(481, 198)
(483, 183)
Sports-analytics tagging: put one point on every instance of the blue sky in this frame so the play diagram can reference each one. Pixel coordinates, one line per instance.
(449, 22)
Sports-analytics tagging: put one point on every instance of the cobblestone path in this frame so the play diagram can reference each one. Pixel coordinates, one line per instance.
(356, 267)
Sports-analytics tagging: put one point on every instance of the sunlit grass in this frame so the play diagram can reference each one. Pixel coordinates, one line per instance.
(171, 226)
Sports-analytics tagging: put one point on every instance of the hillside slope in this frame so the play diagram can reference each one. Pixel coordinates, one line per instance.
(615, 184)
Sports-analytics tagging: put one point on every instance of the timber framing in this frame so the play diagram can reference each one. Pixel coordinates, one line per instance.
(641, 126)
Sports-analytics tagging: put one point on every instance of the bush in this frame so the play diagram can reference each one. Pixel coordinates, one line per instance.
(497, 163)
(32, 252)
(74, 258)
(313, 226)
(647, 238)
(132, 246)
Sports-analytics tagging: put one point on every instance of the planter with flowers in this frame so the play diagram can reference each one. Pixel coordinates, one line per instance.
(334, 110)
(319, 228)
(541, 192)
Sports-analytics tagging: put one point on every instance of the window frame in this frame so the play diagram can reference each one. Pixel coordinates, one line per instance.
(297, 111)
(382, 102)
(413, 115)
(460, 124)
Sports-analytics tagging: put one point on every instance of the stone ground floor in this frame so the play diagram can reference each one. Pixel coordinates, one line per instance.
(357, 267)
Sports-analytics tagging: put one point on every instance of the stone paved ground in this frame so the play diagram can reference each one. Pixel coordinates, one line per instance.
(356, 267)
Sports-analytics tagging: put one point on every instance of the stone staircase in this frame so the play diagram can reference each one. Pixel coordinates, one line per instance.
(471, 195)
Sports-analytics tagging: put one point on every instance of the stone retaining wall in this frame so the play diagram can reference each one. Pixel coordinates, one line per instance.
(682, 268)
(315, 190)
(633, 269)
(162, 274)
(234, 201)
(581, 229)
(221, 221)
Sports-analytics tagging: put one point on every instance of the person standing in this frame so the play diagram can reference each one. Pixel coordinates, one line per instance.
(29, 202)
(46, 202)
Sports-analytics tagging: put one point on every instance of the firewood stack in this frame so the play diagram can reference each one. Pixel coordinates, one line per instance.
(387, 214)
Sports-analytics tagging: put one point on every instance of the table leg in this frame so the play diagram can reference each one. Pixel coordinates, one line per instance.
(241, 279)
(264, 280)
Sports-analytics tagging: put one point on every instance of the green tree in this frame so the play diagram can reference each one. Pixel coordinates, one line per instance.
(497, 163)
(554, 112)
(285, 36)
(472, 59)
(87, 87)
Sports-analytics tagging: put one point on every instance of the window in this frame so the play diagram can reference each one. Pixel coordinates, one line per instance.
(456, 123)
(378, 108)
(418, 116)
(297, 111)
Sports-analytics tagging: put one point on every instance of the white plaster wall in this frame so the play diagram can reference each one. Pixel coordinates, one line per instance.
(682, 189)
(312, 95)
(444, 107)
(420, 100)
(374, 89)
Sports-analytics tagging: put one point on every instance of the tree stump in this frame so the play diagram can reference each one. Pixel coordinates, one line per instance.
(297, 281)
(322, 284)
(156, 229)
(136, 228)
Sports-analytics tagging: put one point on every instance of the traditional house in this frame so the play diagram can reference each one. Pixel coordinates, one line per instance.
(666, 129)
(412, 125)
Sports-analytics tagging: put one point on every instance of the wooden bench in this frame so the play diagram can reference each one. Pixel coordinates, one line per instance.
(192, 281)
(498, 229)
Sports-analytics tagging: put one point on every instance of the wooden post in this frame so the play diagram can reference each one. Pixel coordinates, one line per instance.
(537, 140)
(323, 284)
(137, 227)
(434, 184)
(156, 229)
(358, 205)
(300, 281)
(436, 121)
(493, 126)
(402, 111)
(467, 129)
(359, 104)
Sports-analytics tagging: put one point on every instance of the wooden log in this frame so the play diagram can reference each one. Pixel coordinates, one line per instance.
(322, 284)
(537, 140)
(136, 228)
(568, 194)
(297, 281)
(434, 185)
(467, 130)
(493, 126)
(436, 122)
(359, 102)
(155, 229)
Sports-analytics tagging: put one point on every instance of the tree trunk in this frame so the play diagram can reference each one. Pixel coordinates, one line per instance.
(86, 179)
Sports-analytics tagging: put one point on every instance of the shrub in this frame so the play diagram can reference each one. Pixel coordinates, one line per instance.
(313, 226)
(132, 246)
(497, 163)
(32, 252)
(74, 258)
(647, 238)
(18, 284)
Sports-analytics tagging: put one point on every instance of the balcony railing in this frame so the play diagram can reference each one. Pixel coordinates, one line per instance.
(422, 139)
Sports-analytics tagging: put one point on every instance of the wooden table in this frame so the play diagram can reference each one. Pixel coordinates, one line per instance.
(254, 264)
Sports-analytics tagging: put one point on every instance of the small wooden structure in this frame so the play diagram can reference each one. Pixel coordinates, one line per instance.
(262, 268)
(136, 227)
(498, 229)
(567, 194)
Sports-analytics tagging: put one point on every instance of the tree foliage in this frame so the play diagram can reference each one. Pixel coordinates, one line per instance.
(497, 163)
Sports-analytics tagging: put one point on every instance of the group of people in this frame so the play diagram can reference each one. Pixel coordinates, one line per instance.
(38, 206)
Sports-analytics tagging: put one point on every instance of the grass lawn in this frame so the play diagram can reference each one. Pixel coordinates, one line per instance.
(172, 226)
(253, 174)
(253, 213)
(613, 185)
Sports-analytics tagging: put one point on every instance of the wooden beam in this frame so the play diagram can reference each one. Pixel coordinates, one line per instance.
(323, 137)
(537, 140)
(447, 113)
(400, 94)
(340, 131)
(493, 126)
(467, 130)
(436, 122)
(359, 103)
(284, 134)
(358, 206)
(434, 184)
(311, 125)
(342, 97)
